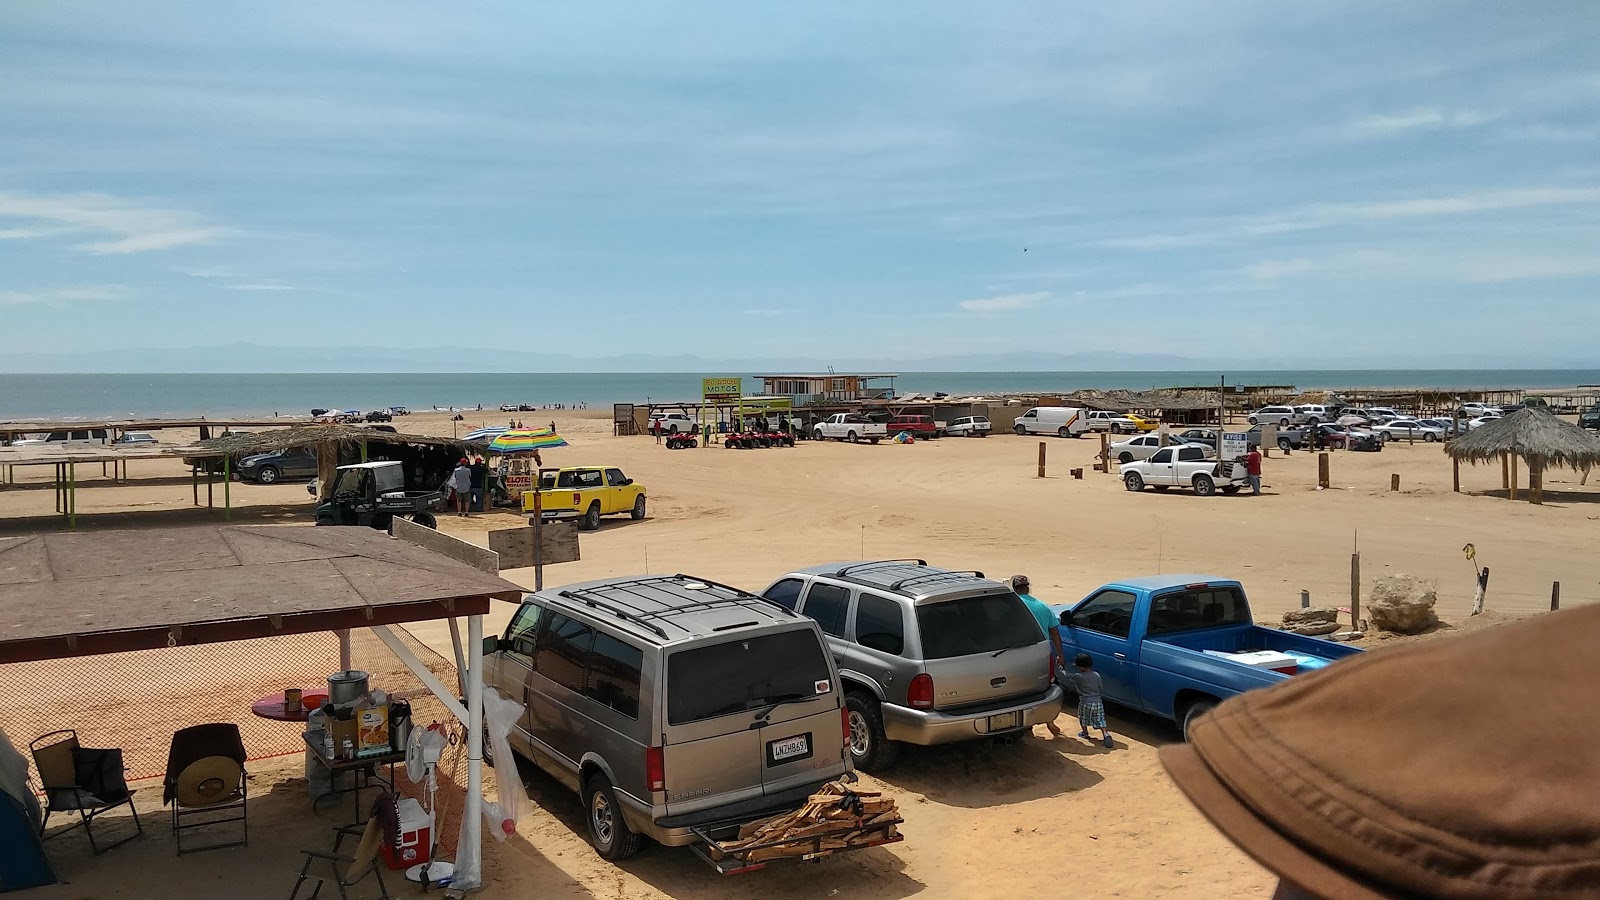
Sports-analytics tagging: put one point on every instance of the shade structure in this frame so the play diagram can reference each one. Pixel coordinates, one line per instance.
(484, 434)
(1535, 436)
(525, 440)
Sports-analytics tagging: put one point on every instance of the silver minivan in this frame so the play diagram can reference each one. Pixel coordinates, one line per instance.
(671, 704)
(927, 655)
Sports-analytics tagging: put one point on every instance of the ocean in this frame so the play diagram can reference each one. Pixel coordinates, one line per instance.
(146, 395)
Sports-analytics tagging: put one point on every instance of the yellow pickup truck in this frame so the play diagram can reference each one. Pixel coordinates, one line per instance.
(586, 493)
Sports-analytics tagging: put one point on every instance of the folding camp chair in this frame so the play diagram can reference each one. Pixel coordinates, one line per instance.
(348, 871)
(205, 783)
(78, 779)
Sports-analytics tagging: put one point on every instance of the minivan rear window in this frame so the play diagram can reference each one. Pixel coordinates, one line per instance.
(737, 676)
(973, 625)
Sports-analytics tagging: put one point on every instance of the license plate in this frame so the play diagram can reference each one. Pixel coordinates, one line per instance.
(789, 749)
(1001, 723)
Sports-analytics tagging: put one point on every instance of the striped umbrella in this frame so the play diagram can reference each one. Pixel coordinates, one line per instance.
(525, 440)
(484, 434)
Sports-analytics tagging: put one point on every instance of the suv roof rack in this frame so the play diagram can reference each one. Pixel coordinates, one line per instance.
(935, 576)
(881, 562)
(606, 597)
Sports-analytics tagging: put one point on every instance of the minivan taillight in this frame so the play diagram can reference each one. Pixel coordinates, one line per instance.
(655, 769)
(844, 722)
(920, 693)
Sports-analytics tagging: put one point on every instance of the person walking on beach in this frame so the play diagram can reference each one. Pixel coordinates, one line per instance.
(1252, 468)
(460, 484)
(1091, 708)
(480, 481)
(1048, 621)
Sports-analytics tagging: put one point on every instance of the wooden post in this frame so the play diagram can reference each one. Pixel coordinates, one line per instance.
(1394, 481)
(1555, 595)
(1041, 459)
(1322, 469)
(1536, 483)
(1455, 475)
(1483, 588)
(1105, 453)
(538, 536)
(1505, 472)
(1514, 475)
(1355, 590)
(327, 468)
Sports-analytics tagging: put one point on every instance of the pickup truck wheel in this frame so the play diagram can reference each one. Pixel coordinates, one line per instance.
(1193, 714)
(1019, 429)
(1204, 486)
(426, 520)
(1125, 457)
(267, 475)
(608, 830)
(850, 436)
(1133, 481)
(869, 749)
(591, 518)
(638, 508)
(1285, 444)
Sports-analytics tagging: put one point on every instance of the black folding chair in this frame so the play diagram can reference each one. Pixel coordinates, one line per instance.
(82, 780)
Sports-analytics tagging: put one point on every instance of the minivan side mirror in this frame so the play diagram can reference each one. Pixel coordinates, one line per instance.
(491, 646)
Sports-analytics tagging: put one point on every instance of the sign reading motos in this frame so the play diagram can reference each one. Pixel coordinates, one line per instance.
(721, 388)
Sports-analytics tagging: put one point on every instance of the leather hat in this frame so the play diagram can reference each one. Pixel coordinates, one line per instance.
(1458, 768)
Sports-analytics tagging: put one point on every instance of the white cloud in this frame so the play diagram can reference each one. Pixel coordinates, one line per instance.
(261, 286)
(1427, 119)
(1004, 302)
(115, 225)
(93, 293)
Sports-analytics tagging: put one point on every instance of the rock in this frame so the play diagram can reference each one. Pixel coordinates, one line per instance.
(1401, 604)
(1349, 636)
(1316, 615)
(1312, 629)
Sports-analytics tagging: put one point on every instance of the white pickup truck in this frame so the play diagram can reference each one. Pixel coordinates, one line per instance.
(1185, 465)
(1105, 420)
(850, 427)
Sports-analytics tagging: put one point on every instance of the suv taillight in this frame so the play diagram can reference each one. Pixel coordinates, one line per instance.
(655, 769)
(920, 694)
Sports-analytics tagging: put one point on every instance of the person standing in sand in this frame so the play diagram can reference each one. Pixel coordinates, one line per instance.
(480, 483)
(460, 485)
(1252, 468)
(1048, 621)
(1091, 706)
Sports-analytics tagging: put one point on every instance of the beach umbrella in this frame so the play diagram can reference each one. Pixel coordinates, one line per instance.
(484, 434)
(525, 440)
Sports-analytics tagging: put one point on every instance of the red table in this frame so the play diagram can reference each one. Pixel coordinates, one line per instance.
(272, 706)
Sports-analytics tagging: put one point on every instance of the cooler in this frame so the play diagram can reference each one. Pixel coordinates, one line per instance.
(412, 839)
(1262, 659)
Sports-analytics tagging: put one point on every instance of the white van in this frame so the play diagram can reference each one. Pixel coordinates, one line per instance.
(1061, 421)
(83, 437)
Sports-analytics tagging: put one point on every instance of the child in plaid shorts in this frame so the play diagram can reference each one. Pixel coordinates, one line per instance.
(1091, 709)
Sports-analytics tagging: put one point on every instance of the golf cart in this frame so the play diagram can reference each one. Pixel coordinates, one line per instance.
(373, 493)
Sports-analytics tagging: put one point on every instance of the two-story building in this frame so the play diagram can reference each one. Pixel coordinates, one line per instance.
(829, 386)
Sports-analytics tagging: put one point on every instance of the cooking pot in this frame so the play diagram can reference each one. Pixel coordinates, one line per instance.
(346, 687)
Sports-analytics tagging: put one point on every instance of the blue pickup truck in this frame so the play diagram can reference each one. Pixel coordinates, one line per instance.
(1163, 644)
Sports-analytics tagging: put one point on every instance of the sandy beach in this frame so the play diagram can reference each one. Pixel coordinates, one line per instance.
(1041, 816)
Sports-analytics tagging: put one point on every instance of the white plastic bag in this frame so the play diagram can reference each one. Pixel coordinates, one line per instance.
(499, 715)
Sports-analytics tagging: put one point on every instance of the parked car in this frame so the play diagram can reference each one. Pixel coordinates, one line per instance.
(1346, 438)
(1474, 410)
(1208, 437)
(1277, 415)
(1175, 646)
(136, 437)
(268, 468)
(1141, 423)
(1408, 429)
(926, 656)
(1106, 420)
(1142, 447)
(850, 427)
(671, 704)
(1448, 426)
(1061, 421)
(1288, 438)
(586, 493)
(380, 415)
(1481, 421)
(374, 494)
(509, 407)
(1312, 414)
(1186, 465)
(922, 427)
(1590, 419)
(79, 437)
(399, 411)
(969, 426)
(1379, 414)
(673, 422)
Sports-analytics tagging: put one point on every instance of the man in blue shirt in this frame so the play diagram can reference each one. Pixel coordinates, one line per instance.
(1048, 621)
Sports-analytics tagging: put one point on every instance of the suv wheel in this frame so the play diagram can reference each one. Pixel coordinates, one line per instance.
(638, 508)
(608, 831)
(591, 518)
(267, 475)
(869, 749)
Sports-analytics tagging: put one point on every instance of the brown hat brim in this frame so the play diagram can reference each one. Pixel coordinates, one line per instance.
(1265, 844)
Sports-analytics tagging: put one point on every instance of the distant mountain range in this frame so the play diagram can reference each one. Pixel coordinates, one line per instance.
(247, 357)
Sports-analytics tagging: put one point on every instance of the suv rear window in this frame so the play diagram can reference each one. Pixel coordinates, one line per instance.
(973, 625)
(741, 675)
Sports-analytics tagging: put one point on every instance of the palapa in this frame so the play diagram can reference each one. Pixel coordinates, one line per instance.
(1535, 436)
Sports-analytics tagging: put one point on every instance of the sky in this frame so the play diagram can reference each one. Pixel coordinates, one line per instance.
(1402, 183)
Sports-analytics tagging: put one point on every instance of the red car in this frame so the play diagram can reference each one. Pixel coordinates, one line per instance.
(922, 427)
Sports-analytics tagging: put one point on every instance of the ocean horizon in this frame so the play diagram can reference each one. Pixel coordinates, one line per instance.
(148, 395)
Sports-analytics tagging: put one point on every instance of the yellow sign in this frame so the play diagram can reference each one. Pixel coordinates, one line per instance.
(721, 387)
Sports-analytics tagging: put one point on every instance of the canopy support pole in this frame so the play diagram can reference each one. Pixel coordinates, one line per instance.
(227, 487)
(1514, 476)
(472, 817)
(72, 495)
(461, 660)
(346, 661)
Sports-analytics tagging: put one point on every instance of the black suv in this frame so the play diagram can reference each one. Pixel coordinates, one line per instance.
(1590, 419)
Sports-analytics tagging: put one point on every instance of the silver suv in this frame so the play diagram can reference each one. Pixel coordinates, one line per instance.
(926, 655)
(671, 703)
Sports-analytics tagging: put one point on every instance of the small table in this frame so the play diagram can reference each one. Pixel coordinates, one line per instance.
(364, 769)
(273, 707)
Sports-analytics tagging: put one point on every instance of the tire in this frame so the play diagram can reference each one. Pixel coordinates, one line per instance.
(1125, 457)
(268, 475)
(1429, 437)
(638, 508)
(608, 830)
(383, 523)
(1133, 481)
(1204, 486)
(851, 437)
(1019, 429)
(426, 520)
(672, 429)
(1285, 444)
(1063, 432)
(1252, 420)
(324, 520)
(1230, 489)
(1194, 712)
(1313, 422)
(869, 749)
(591, 518)
(1283, 423)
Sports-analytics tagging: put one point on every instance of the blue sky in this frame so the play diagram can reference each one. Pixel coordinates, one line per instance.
(1398, 182)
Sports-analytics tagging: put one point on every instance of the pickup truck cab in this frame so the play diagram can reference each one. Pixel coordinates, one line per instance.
(1185, 465)
(850, 427)
(586, 493)
(1175, 646)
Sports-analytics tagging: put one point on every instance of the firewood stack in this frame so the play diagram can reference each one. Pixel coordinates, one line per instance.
(834, 818)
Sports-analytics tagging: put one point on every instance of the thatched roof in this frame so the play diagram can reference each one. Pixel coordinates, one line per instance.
(1532, 434)
(1123, 401)
(309, 436)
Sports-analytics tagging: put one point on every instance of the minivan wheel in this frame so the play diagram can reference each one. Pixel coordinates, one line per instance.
(869, 749)
(608, 831)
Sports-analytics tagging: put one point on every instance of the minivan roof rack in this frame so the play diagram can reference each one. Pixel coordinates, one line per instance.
(605, 597)
(881, 562)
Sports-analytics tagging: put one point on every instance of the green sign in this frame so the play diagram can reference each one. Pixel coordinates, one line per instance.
(721, 388)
